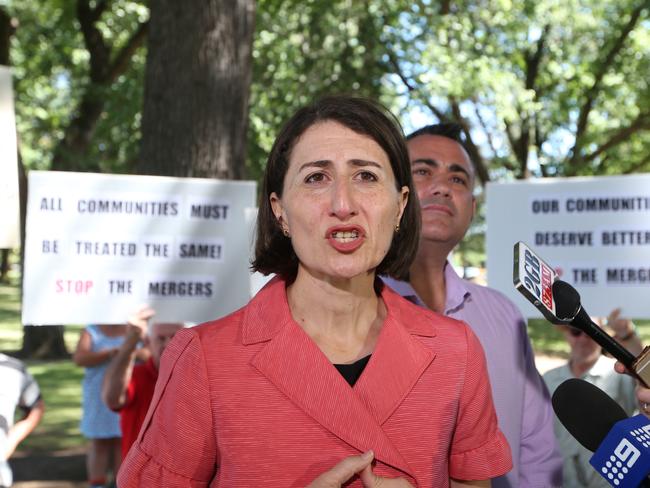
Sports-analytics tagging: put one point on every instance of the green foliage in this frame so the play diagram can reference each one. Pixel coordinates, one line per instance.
(547, 338)
(470, 59)
(51, 74)
(481, 59)
(305, 49)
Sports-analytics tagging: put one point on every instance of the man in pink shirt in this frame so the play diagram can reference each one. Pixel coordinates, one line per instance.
(444, 179)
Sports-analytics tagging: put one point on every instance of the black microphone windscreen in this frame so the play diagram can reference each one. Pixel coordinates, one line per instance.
(586, 411)
(567, 300)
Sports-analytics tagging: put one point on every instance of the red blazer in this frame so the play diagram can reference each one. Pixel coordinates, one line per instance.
(249, 400)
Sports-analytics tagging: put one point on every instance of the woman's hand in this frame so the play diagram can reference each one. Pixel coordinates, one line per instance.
(371, 480)
(343, 471)
(360, 465)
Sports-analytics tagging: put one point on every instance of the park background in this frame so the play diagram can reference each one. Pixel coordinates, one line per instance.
(198, 89)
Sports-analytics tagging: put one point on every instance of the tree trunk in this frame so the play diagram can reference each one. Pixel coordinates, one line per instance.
(43, 342)
(38, 342)
(4, 265)
(197, 87)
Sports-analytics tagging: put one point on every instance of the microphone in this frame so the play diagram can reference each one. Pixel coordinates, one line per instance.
(570, 310)
(621, 445)
(560, 304)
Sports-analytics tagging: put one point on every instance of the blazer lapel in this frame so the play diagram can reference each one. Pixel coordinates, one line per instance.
(398, 361)
(295, 365)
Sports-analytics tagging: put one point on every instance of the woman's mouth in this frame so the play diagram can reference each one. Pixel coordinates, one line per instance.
(345, 236)
(346, 239)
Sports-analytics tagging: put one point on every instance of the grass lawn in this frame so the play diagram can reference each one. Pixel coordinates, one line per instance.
(60, 381)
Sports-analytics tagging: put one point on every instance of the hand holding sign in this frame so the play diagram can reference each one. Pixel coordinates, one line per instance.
(138, 322)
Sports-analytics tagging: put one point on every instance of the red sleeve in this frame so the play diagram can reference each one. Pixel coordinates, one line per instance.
(479, 449)
(130, 393)
(177, 445)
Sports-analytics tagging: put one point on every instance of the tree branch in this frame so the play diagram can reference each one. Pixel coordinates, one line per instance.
(642, 122)
(638, 166)
(93, 39)
(412, 88)
(484, 126)
(474, 153)
(533, 61)
(605, 65)
(123, 58)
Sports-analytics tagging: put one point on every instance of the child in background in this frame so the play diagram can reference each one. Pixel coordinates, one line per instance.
(97, 345)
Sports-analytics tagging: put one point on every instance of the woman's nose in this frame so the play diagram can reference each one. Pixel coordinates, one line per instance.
(343, 200)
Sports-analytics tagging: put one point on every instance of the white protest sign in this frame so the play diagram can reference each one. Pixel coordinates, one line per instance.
(99, 246)
(9, 201)
(595, 231)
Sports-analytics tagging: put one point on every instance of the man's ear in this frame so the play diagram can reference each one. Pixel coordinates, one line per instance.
(473, 207)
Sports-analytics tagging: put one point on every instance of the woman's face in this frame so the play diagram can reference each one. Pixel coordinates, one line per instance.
(340, 203)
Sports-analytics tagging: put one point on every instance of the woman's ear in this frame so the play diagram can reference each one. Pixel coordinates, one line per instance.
(278, 209)
(403, 200)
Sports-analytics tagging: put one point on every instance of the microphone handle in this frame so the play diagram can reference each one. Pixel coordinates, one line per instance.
(583, 322)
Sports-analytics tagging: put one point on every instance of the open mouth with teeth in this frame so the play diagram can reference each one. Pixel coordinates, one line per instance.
(347, 236)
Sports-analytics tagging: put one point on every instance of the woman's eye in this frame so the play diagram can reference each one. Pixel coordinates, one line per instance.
(367, 176)
(315, 178)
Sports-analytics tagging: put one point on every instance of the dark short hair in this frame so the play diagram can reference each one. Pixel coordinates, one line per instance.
(273, 250)
(450, 130)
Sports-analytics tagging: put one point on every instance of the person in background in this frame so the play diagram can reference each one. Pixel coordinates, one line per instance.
(326, 377)
(625, 333)
(97, 345)
(444, 178)
(586, 361)
(128, 387)
(18, 390)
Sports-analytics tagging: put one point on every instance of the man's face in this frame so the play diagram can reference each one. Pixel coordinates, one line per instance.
(444, 179)
(583, 347)
(159, 337)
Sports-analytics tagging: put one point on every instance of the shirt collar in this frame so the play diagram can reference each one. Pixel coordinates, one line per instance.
(602, 367)
(457, 290)
(404, 289)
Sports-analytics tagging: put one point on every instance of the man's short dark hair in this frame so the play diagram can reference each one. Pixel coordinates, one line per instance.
(273, 250)
(451, 130)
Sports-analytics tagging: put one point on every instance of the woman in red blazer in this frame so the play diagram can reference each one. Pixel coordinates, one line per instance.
(326, 377)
